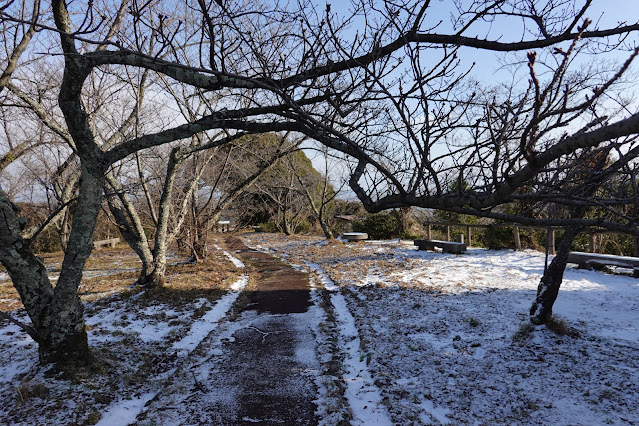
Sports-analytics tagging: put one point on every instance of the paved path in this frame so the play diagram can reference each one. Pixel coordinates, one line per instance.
(266, 356)
(259, 368)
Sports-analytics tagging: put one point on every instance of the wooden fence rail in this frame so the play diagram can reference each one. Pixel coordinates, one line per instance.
(594, 243)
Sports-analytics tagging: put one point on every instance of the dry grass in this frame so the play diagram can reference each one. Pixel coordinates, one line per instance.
(127, 363)
(107, 271)
(112, 271)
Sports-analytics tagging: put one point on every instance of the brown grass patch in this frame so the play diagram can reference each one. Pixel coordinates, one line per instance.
(112, 271)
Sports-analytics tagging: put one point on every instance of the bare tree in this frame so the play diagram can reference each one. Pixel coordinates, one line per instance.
(384, 85)
(318, 191)
(289, 194)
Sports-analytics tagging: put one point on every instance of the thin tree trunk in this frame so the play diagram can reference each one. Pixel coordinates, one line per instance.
(403, 220)
(64, 230)
(130, 226)
(319, 213)
(156, 279)
(548, 289)
(327, 231)
(145, 188)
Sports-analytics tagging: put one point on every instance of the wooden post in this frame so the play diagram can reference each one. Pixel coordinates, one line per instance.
(429, 231)
(468, 236)
(447, 232)
(591, 242)
(552, 242)
(517, 240)
(460, 238)
(599, 245)
(531, 235)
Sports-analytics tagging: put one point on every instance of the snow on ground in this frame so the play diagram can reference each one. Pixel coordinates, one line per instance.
(362, 394)
(125, 410)
(448, 340)
(14, 360)
(202, 327)
(237, 262)
(425, 337)
(142, 339)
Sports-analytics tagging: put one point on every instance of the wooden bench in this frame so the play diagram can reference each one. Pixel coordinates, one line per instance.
(446, 246)
(111, 242)
(355, 236)
(598, 261)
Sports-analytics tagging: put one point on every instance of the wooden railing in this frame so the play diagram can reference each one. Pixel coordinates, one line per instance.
(593, 242)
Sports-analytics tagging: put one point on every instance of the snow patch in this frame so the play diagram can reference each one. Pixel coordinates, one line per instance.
(323, 278)
(363, 396)
(203, 326)
(237, 262)
(124, 412)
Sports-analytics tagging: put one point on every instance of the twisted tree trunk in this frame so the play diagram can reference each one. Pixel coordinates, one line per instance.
(57, 314)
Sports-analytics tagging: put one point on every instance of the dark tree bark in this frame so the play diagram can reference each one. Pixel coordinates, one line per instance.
(62, 337)
(590, 163)
(27, 272)
(307, 89)
(56, 314)
(548, 289)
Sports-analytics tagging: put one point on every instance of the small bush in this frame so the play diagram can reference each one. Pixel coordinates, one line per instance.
(47, 242)
(378, 226)
(524, 332)
(27, 390)
(267, 227)
(473, 322)
(499, 238)
(303, 227)
(408, 236)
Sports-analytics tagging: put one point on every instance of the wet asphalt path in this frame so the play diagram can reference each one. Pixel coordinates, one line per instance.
(260, 366)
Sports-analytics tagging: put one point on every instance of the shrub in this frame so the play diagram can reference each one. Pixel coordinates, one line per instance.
(525, 329)
(267, 227)
(303, 227)
(378, 226)
(47, 242)
(499, 238)
(559, 327)
(408, 236)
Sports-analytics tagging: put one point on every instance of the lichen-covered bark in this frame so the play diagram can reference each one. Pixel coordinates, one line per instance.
(56, 313)
(64, 335)
(130, 226)
(27, 272)
(156, 278)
